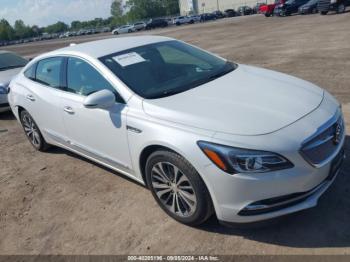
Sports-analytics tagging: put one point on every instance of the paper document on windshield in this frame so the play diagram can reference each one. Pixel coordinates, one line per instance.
(129, 59)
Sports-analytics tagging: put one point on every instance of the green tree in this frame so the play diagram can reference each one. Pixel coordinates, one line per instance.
(171, 7)
(22, 31)
(76, 25)
(6, 30)
(36, 30)
(56, 28)
(117, 8)
(141, 9)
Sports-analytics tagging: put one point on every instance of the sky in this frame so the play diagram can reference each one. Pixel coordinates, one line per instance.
(45, 12)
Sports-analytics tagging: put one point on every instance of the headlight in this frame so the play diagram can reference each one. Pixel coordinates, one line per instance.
(4, 90)
(238, 160)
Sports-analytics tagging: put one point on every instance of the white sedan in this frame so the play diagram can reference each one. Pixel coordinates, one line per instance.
(140, 26)
(124, 29)
(204, 134)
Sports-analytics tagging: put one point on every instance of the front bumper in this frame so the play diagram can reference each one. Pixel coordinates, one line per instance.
(245, 198)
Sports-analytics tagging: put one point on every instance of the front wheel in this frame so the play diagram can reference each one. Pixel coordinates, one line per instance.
(178, 188)
(324, 12)
(32, 132)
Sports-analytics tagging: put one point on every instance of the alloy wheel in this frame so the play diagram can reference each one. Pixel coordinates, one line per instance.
(341, 8)
(31, 130)
(173, 189)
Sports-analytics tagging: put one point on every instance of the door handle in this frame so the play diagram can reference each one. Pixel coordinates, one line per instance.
(30, 97)
(68, 109)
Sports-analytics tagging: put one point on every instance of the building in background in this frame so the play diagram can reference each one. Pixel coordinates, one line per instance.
(208, 6)
(186, 7)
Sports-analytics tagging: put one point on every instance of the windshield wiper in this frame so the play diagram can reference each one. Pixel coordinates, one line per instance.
(229, 67)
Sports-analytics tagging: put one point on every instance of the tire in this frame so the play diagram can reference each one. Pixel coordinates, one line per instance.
(186, 198)
(129, 31)
(267, 14)
(341, 8)
(324, 12)
(32, 132)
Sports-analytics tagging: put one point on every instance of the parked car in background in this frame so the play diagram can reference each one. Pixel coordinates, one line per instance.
(289, 7)
(156, 23)
(309, 8)
(219, 14)
(283, 150)
(10, 65)
(268, 10)
(339, 6)
(244, 10)
(140, 26)
(195, 18)
(207, 17)
(124, 29)
(105, 29)
(256, 8)
(183, 20)
(230, 13)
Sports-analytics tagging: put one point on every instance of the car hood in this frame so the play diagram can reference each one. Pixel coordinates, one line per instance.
(247, 101)
(7, 75)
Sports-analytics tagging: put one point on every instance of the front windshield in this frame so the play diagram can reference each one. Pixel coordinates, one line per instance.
(10, 61)
(165, 68)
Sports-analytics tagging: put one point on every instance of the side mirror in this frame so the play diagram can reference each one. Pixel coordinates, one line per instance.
(101, 99)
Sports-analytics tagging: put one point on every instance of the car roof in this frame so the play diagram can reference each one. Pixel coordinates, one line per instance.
(105, 47)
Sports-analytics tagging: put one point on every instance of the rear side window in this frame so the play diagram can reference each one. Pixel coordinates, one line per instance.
(30, 72)
(48, 71)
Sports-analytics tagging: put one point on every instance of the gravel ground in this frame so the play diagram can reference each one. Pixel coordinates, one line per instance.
(59, 203)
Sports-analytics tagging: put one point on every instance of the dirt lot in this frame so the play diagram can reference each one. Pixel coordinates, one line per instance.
(59, 203)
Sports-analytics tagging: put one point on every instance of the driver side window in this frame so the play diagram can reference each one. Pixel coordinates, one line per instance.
(83, 79)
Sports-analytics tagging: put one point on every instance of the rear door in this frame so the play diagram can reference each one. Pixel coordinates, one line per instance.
(41, 88)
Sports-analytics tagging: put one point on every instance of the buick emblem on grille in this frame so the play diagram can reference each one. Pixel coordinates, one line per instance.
(337, 134)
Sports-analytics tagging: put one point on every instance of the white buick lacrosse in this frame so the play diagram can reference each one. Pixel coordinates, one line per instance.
(204, 134)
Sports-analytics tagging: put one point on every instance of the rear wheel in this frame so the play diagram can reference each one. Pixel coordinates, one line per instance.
(324, 12)
(341, 8)
(32, 132)
(178, 188)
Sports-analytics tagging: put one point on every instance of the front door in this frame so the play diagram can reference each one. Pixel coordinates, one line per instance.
(97, 133)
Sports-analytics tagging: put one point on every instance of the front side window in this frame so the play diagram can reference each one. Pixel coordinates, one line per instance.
(166, 68)
(48, 71)
(83, 79)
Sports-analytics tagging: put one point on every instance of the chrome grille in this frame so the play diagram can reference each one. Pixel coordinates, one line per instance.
(325, 144)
